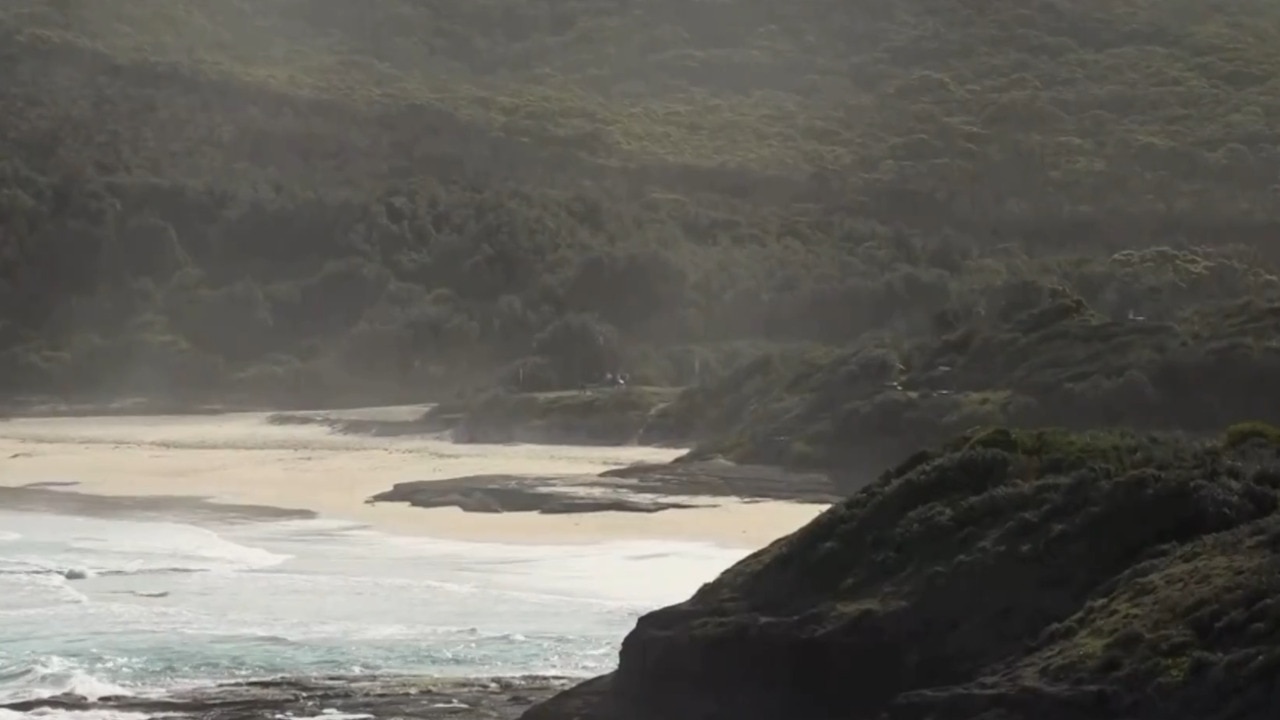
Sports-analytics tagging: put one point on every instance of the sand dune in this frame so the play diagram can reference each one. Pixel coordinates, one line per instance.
(240, 458)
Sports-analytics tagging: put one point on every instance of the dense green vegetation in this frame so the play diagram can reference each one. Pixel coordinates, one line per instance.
(287, 202)
(1007, 574)
(1054, 362)
(613, 417)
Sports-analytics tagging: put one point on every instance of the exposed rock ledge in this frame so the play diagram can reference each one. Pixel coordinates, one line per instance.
(373, 698)
(639, 488)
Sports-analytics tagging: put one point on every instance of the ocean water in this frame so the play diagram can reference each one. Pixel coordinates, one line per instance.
(101, 606)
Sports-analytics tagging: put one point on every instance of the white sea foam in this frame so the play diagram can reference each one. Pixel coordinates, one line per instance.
(149, 603)
(163, 603)
(143, 547)
(22, 587)
(45, 714)
(53, 675)
(77, 548)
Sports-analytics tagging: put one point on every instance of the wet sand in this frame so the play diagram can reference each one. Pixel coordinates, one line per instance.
(242, 459)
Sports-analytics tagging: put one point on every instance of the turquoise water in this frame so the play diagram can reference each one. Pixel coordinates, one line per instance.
(105, 606)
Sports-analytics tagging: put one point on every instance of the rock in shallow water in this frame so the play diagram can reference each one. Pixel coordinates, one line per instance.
(336, 697)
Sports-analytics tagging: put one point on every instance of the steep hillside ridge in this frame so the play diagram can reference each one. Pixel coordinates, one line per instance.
(1003, 109)
(1010, 574)
(303, 203)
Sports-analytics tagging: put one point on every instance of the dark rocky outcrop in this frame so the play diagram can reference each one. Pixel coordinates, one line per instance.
(638, 488)
(511, 493)
(1008, 575)
(720, 478)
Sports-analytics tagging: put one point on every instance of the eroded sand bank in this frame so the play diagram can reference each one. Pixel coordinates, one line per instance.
(240, 458)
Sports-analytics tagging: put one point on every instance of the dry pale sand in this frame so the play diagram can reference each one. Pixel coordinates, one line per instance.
(240, 458)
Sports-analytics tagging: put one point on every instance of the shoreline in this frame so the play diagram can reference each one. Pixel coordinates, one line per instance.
(340, 697)
(48, 408)
(240, 459)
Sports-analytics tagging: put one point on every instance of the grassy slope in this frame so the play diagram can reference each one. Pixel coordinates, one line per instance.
(1003, 575)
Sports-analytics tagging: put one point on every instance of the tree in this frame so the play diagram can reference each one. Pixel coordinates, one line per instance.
(580, 347)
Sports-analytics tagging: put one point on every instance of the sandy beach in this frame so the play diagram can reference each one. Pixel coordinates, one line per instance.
(240, 458)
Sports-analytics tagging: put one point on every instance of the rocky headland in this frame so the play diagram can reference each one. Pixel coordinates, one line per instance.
(1008, 574)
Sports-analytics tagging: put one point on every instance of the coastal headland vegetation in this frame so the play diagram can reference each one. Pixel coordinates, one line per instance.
(1043, 213)
(1001, 574)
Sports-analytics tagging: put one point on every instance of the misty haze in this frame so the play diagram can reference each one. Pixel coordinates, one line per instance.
(639, 359)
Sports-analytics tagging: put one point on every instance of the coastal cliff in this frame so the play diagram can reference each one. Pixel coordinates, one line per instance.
(1008, 574)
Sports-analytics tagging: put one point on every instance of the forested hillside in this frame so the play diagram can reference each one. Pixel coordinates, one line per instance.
(318, 201)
